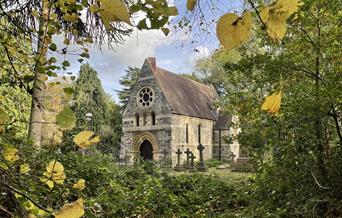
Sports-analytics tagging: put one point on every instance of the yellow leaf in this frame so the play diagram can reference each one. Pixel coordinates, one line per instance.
(80, 184)
(3, 166)
(83, 140)
(232, 30)
(190, 4)
(287, 6)
(24, 168)
(48, 182)
(113, 11)
(165, 31)
(272, 103)
(10, 154)
(28, 205)
(72, 210)
(275, 16)
(276, 27)
(264, 14)
(54, 173)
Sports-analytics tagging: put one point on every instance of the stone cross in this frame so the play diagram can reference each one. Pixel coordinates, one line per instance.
(178, 166)
(201, 165)
(187, 152)
(192, 157)
(178, 156)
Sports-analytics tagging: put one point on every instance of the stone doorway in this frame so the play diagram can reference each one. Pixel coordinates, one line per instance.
(146, 150)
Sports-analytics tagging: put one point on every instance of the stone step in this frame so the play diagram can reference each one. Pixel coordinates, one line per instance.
(242, 167)
(243, 160)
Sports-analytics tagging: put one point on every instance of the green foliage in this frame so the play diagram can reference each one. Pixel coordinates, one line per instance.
(66, 119)
(89, 97)
(112, 191)
(214, 163)
(294, 151)
(16, 103)
(127, 81)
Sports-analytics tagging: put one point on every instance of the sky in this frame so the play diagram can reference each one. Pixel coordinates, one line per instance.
(175, 53)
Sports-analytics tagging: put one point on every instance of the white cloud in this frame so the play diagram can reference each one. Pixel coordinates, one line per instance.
(110, 64)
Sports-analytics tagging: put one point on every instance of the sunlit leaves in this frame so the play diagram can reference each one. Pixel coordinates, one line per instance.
(72, 210)
(233, 30)
(66, 119)
(54, 174)
(272, 103)
(275, 16)
(10, 154)
(80, 184)
(158, 13)
(24, 168)
(4, 118)
(113, 11)
(30, 207)
(190, 4)
(85, 139)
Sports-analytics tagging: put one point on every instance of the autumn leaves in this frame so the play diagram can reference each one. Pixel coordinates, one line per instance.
(233, 30)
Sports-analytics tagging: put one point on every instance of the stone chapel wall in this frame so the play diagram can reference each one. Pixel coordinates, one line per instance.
(178, 125)
(161, 130)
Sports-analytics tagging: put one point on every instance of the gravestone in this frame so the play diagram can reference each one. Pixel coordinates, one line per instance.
(201, 164)
(178, 166)
(187, 152)
(192, 158)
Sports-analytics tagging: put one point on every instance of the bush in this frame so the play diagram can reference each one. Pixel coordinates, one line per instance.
(112, 191)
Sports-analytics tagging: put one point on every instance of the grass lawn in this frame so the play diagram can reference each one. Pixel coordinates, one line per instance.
(224, 174)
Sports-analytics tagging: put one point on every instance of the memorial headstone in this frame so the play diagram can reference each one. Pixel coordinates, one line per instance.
(178, 166)
(201, 164)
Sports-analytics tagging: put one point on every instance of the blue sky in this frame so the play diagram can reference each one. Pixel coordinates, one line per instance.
(175, 52)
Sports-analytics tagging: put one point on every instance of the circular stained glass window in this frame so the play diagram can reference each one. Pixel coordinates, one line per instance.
(145, 97)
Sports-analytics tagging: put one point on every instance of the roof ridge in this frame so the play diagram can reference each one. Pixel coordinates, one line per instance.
(177, 75)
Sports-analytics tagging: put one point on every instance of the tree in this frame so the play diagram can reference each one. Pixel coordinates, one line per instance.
(89, 97)
(39, 21)
(127, 81)
(296, 150)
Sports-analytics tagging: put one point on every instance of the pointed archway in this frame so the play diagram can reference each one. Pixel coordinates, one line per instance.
(146, 145)
(146, 150)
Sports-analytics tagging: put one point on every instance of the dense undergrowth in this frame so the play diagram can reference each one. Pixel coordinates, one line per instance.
(145, 190)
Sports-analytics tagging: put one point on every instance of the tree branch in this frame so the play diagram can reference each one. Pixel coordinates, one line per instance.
(26, 196)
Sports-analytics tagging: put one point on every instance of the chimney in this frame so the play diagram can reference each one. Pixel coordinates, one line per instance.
(152, 61)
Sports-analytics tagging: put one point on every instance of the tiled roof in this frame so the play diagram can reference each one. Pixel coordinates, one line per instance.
(185, 96)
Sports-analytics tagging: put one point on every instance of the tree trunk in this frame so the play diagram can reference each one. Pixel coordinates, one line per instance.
(318, 119)
(37, 108)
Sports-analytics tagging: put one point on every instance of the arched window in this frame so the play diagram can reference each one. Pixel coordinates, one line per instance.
(199, 133)
(137, 119)
(186, 133)
(153, 118)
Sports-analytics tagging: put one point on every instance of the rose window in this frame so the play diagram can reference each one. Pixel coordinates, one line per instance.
(145, 97)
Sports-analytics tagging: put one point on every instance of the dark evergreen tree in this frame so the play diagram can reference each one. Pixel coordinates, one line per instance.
(89, 97)
(127, 82)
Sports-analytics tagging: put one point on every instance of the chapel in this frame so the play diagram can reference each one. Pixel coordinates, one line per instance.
(167, 112)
